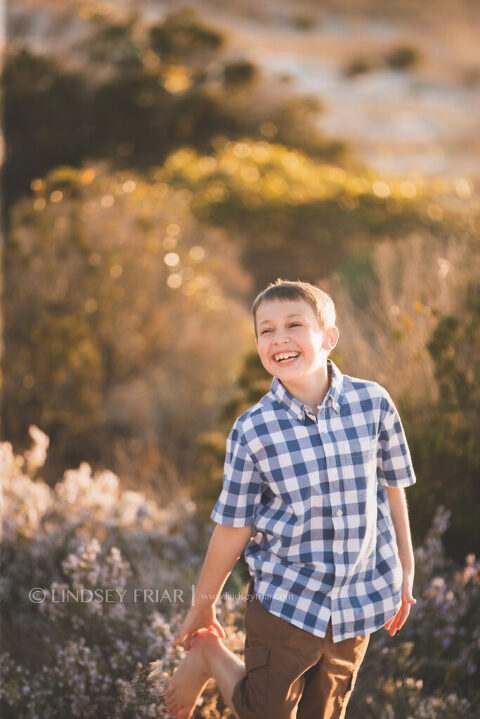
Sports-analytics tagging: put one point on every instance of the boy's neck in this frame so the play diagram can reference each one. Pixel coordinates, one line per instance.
(312, 390)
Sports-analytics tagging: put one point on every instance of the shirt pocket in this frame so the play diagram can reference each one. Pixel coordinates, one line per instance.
(360, 471)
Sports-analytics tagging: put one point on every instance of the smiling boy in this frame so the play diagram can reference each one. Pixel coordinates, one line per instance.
(313, 492)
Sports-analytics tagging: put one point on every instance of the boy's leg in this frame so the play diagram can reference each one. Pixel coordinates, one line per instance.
(227, 670)
(268, 686)
(285, 668)
(207, 658)
(277, 657)
(329, 684)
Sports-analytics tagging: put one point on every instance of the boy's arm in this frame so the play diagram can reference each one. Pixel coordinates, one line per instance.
(399, 511)
(225, 547)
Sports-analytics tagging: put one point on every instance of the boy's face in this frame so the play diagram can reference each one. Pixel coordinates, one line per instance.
(291, 343)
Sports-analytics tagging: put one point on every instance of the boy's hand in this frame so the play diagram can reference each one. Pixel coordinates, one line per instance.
(196, 619)
(396, 623)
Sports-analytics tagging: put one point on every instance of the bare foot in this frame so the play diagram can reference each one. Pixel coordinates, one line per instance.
(190, 678)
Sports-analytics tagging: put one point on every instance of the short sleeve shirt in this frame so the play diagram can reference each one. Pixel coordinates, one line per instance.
(312, 486)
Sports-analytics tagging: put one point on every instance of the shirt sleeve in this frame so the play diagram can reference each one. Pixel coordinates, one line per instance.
(394, 464)
(242, 485)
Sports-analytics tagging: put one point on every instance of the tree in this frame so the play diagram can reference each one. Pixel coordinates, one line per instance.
(48, 119)
(137, 93)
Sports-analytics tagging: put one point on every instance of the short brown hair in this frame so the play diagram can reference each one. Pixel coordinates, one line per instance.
(321, 303)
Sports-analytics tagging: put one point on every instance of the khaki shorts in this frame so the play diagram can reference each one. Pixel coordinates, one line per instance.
(292, 673)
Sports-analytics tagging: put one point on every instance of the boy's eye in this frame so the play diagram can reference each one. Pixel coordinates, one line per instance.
(292, 324)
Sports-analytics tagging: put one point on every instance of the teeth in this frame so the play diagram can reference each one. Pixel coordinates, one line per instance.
(285, 356)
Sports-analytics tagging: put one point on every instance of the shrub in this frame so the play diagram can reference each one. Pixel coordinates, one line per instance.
(403, 57)
(239, 73)
(361, 65)
(142, 290)
(75, 654)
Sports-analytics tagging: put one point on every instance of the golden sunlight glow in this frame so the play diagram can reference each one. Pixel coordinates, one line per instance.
(171, 259)
(443, 267)
(87, 176)
(381, 189)
(37, 184)
(177, 79)
(173, 229)
(116, 271)
(174, 280)
(434, 212)
(197, 253)
(408, 189)
(463, 187)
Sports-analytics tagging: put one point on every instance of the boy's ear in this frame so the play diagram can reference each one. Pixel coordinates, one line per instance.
(331, 338)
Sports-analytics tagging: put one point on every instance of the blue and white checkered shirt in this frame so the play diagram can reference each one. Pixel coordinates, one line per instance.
(313, 488)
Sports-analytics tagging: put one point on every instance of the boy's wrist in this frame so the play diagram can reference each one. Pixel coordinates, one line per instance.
(202, 601)
(202, 605)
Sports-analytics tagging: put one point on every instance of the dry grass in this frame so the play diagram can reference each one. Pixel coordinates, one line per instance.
(417, 280)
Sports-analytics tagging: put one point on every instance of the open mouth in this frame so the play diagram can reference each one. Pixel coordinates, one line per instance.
(286, 357)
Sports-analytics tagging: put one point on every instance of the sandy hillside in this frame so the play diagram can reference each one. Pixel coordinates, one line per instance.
(424, 119)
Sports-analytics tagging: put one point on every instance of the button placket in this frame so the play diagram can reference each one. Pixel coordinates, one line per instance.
(334, 473)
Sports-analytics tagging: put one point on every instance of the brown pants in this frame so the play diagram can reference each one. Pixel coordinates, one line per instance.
(292, 673)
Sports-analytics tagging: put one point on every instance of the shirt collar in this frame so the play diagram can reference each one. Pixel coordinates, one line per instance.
(295, 407)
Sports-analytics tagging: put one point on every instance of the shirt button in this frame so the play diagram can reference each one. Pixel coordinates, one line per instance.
(339, 513)
(299, 416)
(339, 551)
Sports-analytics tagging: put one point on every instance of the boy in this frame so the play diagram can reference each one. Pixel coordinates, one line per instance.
(313, 491)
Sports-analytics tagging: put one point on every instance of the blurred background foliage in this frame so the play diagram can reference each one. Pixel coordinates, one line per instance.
(90, 659)
(123, 294)
(132, 93)
(153, 184)
(154, 181)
